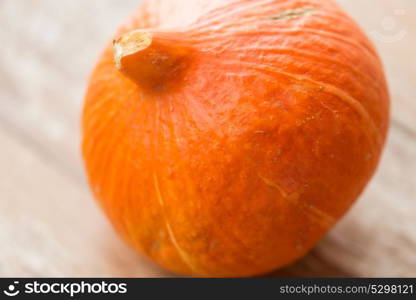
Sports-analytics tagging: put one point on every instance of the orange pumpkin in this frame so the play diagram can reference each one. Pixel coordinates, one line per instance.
(226, 137)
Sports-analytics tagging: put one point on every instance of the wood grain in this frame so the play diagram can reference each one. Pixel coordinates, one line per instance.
(49, 224)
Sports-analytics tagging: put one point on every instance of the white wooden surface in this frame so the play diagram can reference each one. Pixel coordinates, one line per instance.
(49, 223)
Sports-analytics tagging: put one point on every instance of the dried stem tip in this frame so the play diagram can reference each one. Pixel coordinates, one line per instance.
(152, 60)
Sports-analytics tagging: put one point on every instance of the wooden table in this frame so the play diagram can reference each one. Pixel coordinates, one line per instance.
(49, 224)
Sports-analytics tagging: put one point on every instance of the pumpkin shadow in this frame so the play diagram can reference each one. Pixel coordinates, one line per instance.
(324, 259)
(336, 254)
(313, 265)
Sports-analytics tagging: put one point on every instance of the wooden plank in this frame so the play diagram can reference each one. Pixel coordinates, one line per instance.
(44, 65)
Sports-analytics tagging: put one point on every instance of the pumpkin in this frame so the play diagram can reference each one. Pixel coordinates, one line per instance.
(225, 138)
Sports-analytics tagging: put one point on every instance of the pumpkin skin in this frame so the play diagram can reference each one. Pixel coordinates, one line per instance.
(240, 161)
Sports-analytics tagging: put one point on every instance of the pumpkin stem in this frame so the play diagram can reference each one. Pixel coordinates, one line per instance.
(152, 60)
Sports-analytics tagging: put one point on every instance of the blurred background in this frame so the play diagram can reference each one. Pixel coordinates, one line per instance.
(51, 226)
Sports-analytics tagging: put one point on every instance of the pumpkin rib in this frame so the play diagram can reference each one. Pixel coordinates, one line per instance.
(188, 179)
(124, 220)
(253, 19)
(125, 182)
(107, 154)
(247, 20)
(102, 153)
(272, 184)
(94, 146)
(314, 58)
(98, 126)
(103, 86)
(117, 169)
(319, 33)
(131, 212)
(184, 256)
(353, 103)
(182, 253)
(211, 19)
(223, 12)
(323, 217)
(221, 29)
(346, 98)
(230, 235)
